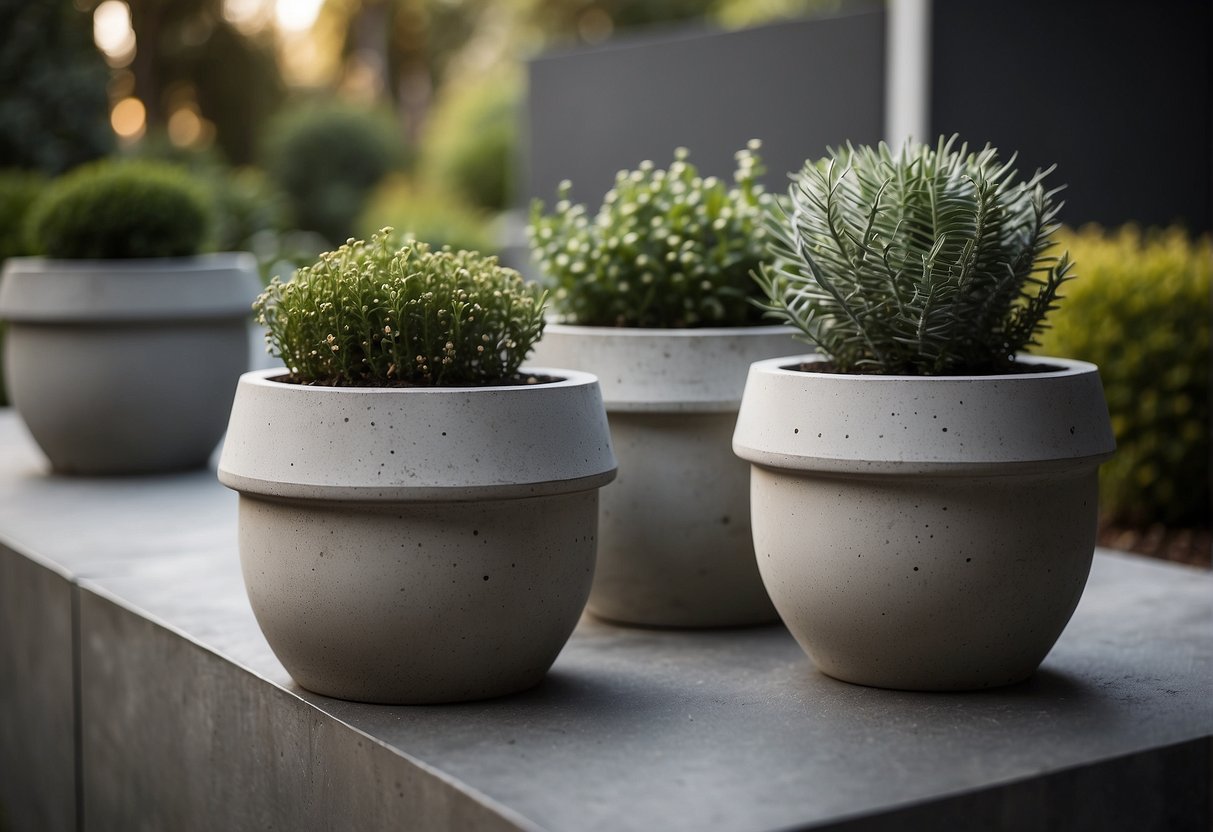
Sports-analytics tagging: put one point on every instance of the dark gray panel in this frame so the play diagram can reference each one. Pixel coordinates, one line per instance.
(176, 737)
(37, 700)
(1118, 93)
(1167, 789)
(799, 86)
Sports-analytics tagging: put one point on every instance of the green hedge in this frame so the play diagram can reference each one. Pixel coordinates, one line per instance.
(1141, 310)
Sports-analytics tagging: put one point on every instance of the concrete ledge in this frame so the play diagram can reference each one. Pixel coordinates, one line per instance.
(187, 721)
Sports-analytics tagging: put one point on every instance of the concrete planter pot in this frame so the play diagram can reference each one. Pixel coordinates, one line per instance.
(674, 532)
(417, 545)
(925, 533)
(126, 366)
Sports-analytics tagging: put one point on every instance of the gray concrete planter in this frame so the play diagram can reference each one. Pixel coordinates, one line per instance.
(126, 366)
(927, 533)
(674, 540)
(417, 545)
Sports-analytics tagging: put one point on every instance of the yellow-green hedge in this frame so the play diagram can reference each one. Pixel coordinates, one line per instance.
(1141, 310)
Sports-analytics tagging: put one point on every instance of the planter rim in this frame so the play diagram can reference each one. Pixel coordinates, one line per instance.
(749, 330)
(391, 444)
(657, 370)
(852, 424)
(1064, 367)
(40, 290)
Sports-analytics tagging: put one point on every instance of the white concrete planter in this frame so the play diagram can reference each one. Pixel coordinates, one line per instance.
(674, 532)
(417, 545)
(929, 533)
(126, 366)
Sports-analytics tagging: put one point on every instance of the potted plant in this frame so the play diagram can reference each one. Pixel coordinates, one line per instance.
(123, 342)
(653, 295)
(924, 497)
(417, 512)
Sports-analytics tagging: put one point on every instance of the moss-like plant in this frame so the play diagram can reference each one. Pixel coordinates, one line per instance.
(928, 261)
(114, 209)
(374, 315)
(1143, 313)
(668, 248)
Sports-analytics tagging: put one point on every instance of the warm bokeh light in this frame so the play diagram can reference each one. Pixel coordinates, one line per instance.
(113, 33)
(184, 127)
(129, 118)
(248, 15)
(296, 15)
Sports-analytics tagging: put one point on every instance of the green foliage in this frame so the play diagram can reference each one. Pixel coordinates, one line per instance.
(369, 314)
(19, 190)
(1142, 312)
(932, 261)
(327, 157)
(121, 209)
(54, 111)
(423, 213)
(246, 204)
(668, 248)
(471, 140)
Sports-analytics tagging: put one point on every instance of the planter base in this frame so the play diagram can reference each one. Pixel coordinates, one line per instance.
(133, 399)
(675, 546)
(415, 603)
(966, 582)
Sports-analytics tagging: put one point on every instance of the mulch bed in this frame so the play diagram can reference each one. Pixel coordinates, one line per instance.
(1190, 546)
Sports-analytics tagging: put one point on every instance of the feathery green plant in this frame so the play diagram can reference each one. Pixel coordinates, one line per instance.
(930, 261)
(668, 248)
(374, 315)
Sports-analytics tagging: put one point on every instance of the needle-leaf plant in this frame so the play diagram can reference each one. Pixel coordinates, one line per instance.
(375, 314)
(932, 260)
(667, 248)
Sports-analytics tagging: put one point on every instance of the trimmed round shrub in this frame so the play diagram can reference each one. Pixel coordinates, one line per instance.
(374, 315)
(19, 190)
(327, 158)
(130, 209)
(1142, 312)
(668, 248)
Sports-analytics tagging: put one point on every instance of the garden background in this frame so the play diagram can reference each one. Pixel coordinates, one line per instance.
(314, 120)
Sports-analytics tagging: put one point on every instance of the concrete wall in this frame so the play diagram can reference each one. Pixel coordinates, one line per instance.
(1117, 93)
(799, 86)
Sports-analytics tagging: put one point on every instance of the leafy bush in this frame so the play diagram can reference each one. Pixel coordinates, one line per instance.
(327, 158)
(19, 190)
(1142, 313)
(121, 209)
(246, 202)
(471, 140)
(369, 314)
(928, 262)
(54, 112)
(668, 248)
(422, 213)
